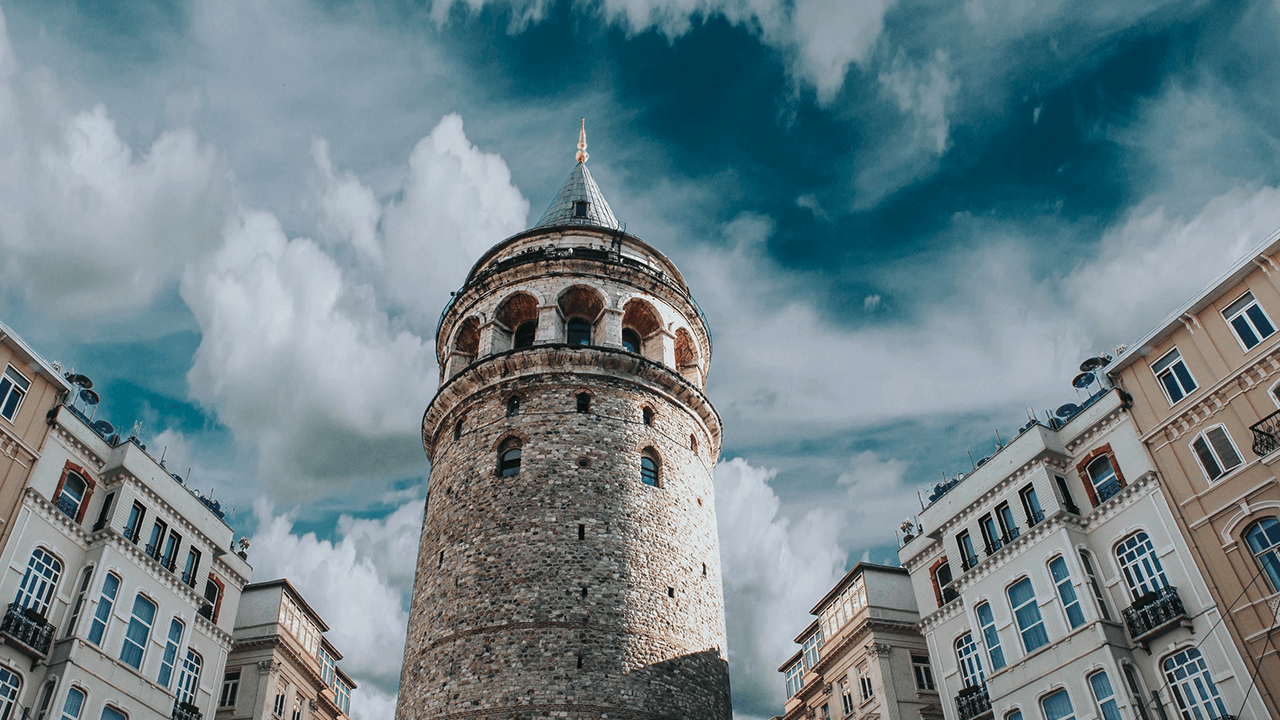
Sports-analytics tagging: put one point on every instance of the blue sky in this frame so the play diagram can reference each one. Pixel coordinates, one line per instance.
(907, 223)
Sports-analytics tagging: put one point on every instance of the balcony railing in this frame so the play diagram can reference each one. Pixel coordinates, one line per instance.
(1036, 518)
(973, 702)
(1154, 612)
(1009, 535)
(1107, 490)
(29, 628)
(1266, 434)
(185, 711)
(206, 611)
(1070, 507)
(153, 552)
(968, 561)
(949, 594)
(131, 533)
(69, 507)
(189, 578)
(993, 546)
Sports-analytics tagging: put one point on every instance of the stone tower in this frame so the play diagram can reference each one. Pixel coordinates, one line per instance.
(569, 565)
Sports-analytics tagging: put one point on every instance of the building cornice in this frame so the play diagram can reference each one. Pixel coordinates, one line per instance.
(1215, 398)
(277, 643)
(15, 448)
(77, 447)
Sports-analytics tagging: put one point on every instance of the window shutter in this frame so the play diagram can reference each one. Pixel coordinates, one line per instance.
(1225, 450)
(1206, 458)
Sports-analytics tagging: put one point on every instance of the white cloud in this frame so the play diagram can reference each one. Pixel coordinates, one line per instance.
(88, 227)
(878, 500)
(359, 588)
(924, 92)
(370, 703)
(773, 573)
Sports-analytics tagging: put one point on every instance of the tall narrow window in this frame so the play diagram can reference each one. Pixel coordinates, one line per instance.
(36, 591)
(1057, 706)
(942, 578)
(189, 679)
(795, 679)
(1066, 592)
(457, 430)
(74, 703)
(990, 636)
(158, 532)
(86, 575)
(525, 334)
(1251, 324)
(579, 332)
(102, 616)
(1104, 695)
(1022, 598)
(580, 208)
(865, 687)
(646, 415)
(649, 469)
(46, 700)
(104, 513)
(170, 652)
(13, 388)
(1264, 541)
(630, 340)
(112, 713)
(846, 697)
(10, 683)
(71, 496)
(924, 672)
(970, 664)
(1064, 495)
(230, 689)
(1216, 452)
(212, 596)
(509, 458)
(1135, 691)
(990, 534)
(1142, 570)
(1031, 505)
(1103, 477)
(584, 403)
(1192, 686)
(968, 558)
(133, 527)
(191, 568)
(1008, 527)
(1094, 586)
(170, 557)
(135, 638)
(1174, 377)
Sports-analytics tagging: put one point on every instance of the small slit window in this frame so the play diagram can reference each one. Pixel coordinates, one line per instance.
(513, 405)
(649, 469)
(584, 403)
(509, 458)
(457, 430)
(525, 334)
(630, 340)
(579, 332)
(647, 415)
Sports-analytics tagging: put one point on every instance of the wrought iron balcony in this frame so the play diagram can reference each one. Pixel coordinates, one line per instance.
(973, 702)
(1035, 518)
(169, 563)
(1107, 490)
(1071, 507)
(29, 629)
(189, 578)
(131, 533)
(153, 552)
(949, 594)
(993, 546)
(206, 611)
(1009, 535)
(69, 507)
(1154, 613)
(1266, 434)
(185, 711)
(968, 561)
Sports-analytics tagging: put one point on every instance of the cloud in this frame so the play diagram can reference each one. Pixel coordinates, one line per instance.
(773, 573)
(358, 587)
(923, 92)
(878, 500)
(89, 229)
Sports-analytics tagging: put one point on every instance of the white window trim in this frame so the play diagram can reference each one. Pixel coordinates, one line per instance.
(1231, 327)
(1165, 390)
(1204, 433)
(25, 391)
(1271, 393)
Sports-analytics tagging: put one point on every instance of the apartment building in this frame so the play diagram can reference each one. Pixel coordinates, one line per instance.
(1053, 584)
(282, 665)
(29, 389)
(1206, 404)
(124, 584)
(862, 657)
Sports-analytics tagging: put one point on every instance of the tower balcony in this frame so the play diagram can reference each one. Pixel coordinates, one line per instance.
(27, 630)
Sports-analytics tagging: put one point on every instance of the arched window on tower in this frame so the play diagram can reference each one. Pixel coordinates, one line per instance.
(513, 405)
(630, 340)
(647, 415)
(579, 332)
(584, 402)
(509, 458)
(649, 468)
(457, 430)
(525, 334)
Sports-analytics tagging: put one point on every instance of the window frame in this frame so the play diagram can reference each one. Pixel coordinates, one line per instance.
(1030, 604)
(1152, 571)
(1173, 374)
(968, 555)
(1178, 686)
(1071, 715)
(1223, 470)
(73, 714)
(169, 659)
(969, 660)
(104, 609)
(139, 646)
(578, 328)
(230, 693)
(1068, 598)
(510, 454)
(1096, 587)
(1243, 314)
(923, 671)
(1109, 706)
(1270, 568)
(39, 585)
(987, 628)
(11, 378)
(1029, 498)
(630, 346)
(650, 468)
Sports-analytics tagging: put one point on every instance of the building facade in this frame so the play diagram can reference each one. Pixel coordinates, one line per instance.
(862, 657)
(281, 665)
(569, 563)
(29, 389)
(1053, 584)
(1206, 389)
(124, 585)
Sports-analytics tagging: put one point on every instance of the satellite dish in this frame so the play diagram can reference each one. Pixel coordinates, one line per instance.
(1026, 427)
(1082, 381)
(102, 427)
(1094, 363)
(178, 477)
(89, 397)
(1067, 410)
(81, 380)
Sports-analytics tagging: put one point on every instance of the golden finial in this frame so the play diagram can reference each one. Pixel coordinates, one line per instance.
(581, 155)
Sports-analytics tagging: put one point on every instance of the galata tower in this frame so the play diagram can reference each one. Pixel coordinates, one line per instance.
(569, 565)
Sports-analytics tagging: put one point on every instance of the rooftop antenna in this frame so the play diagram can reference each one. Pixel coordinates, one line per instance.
(921, 499)
(999, 444)
(971, 462)
(163, 454)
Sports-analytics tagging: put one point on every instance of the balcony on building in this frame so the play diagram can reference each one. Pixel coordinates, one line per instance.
(1154, 614)
(1266, 434)
(27, 630)
(973, 702)
(1108, 489)
(185, 711)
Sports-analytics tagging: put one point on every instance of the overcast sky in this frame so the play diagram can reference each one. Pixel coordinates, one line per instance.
(907, 222)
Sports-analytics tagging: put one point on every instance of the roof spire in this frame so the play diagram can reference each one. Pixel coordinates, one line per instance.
(581, 156)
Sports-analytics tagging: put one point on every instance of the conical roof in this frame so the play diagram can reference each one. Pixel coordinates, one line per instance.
(579, 201)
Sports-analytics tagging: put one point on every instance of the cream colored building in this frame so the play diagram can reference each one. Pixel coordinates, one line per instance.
(282, 666)
(1206, 391)
(1053, 584)
(123, 584)
(862, 656)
